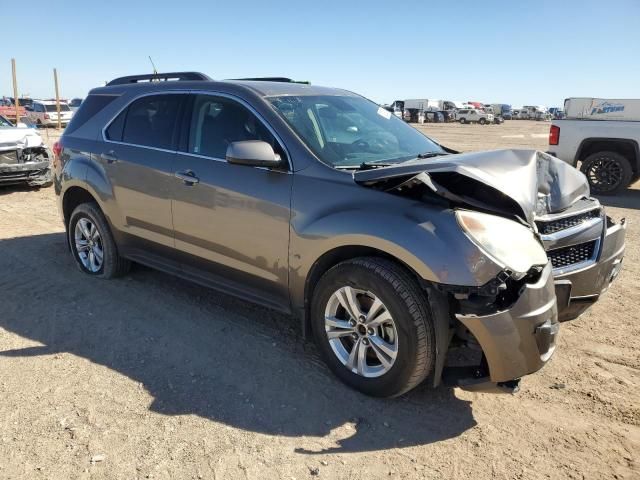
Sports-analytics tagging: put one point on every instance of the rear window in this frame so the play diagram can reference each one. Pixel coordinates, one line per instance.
(52, 108)
(92, 105)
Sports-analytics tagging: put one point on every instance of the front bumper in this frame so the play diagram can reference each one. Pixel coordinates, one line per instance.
(31, 173)
(578, 290)
(517, 341)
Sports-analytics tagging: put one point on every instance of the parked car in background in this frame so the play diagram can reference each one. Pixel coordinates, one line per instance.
(24, 158)
(556, 112)
(602, 137)
(448, 115)
(22, 101)
(74, 104)
(500, 109)
(474, 116)
(44, 113)
(524, 114)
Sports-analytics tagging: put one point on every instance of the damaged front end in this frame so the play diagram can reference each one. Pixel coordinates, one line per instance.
(510, 325)
(502, 331)
(585, 246)
(25, 160)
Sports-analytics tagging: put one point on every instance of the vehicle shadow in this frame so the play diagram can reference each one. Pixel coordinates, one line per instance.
(200, 352)
(629, 198)
(9, 189)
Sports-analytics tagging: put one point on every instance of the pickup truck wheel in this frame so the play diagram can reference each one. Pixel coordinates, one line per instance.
(373, 326)
(607, 172)
(92, 244)
(482, 121)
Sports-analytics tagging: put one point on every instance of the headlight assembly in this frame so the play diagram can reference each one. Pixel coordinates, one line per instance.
(508, 243)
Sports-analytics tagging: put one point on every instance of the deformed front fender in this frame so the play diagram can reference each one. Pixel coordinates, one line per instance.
(427, 240)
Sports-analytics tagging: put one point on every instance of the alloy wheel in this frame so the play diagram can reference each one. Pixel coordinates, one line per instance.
(361, 332)
(89, 245)
(605, 174)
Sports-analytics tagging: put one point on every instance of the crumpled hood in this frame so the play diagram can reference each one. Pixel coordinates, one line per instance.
(529, 181)
(13, 138)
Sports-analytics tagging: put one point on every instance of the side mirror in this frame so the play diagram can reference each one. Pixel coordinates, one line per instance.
(253, 153)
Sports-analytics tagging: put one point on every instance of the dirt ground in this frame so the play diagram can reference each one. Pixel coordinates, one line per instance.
(153, 377)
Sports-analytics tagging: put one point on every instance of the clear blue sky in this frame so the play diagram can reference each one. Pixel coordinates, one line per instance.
(518, 52)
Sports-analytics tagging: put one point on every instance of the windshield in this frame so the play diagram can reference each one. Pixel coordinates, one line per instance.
(5, 122)
(348, 131)
(52, 108)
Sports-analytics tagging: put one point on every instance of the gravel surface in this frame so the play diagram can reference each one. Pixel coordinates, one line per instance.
(150, 376)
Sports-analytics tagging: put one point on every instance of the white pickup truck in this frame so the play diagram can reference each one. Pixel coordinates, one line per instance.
(602, 134)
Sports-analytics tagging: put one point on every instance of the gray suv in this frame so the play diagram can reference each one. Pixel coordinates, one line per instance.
(391, 249)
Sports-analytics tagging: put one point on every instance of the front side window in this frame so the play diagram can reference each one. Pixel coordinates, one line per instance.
(149, 121)
(346, 131)
(216, 122)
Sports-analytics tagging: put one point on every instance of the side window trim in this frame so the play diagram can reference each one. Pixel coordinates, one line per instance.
(126, 107)
(186, 119)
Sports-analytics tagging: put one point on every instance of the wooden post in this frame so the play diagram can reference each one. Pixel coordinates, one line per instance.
(55, 79)
(15, 90)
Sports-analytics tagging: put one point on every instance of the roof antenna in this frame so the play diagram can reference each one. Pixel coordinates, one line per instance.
(155, 72)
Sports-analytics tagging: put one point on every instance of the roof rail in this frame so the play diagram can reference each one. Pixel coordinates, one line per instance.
(160, 77)
(270, 79)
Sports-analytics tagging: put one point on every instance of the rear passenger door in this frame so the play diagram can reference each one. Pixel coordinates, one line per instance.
(138, 154)
(231, 222)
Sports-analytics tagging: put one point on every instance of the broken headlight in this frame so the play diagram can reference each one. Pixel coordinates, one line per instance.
(508, 243)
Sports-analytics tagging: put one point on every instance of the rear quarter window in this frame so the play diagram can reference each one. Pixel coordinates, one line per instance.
(88, 109)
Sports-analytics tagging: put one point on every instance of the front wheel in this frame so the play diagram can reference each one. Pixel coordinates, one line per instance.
(373, 326)
(607, 172)
(482, 121)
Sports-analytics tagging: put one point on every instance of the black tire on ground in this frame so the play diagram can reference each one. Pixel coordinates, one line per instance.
(409, 307)
(463, 120)
(482, 121)
(113, 264)
(608, 172)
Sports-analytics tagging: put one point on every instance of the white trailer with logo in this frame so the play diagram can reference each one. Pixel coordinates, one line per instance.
(602, 109)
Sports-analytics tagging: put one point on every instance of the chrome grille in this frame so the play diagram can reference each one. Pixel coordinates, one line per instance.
(553, 226)
(568, 256)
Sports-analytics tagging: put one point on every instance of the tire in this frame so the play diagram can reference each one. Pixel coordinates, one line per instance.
(607, 172)
(411, 332)
(463, 120)
(482, 121)
(112, 264)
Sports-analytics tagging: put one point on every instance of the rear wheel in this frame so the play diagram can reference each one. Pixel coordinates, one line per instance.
(373, 326)
(92, 244)
(607, 172)
(463, 120)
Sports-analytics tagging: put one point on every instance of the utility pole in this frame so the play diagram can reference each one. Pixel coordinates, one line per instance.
(55, 79)
(15, 90)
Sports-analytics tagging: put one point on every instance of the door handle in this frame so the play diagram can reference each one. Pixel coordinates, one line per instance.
(188, 177)
(109, 157)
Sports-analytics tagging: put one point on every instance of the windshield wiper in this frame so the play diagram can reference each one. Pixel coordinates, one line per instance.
(363, 166)
(430, 155)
